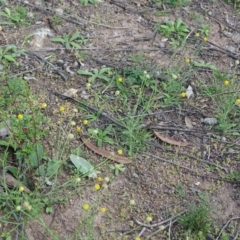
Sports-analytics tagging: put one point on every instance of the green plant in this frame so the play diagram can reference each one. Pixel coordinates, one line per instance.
(17, 15)
(196, 221)
(117, 168)
(204, 30)
(85, 2)
(101, 135)
(71, 41)
(9, 54)
(177, 31)
(103, 73)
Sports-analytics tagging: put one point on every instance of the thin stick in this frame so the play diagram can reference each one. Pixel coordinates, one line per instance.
(219, 235)
(45, 61)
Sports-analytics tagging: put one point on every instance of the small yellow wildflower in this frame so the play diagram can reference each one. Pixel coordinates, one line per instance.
(120, 79)
(103, 209)
(88, 85)
(70, 136)
(20, 116)
(97, 186)
(147, 76)
(43, 105)
(226, 82)
(73, 123)
(27, 206)
(120, 151)
(86, 206)
(197, 34)
(62, 109)
(138, 238)
(21, 188)
(100, 179)
(187, 60)
(205, 39)
(85, 121)
(132, 202)
(106, 179)
(18, 208)
(237, 101)
(149, 218)
(117, 93)
(145, 72)
(183, 94)
(78, 128)
(75, 110)
(77, 180)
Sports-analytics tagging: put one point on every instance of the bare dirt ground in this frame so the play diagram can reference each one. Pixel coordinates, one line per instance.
(116, 30)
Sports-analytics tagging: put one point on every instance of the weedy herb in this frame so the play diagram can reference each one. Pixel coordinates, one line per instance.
(117, 168)
(86, 2)
(9, 54)
(17, 15)
(71, 41)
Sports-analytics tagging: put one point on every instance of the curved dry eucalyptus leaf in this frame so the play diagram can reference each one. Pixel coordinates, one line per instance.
(170, 140)
(188, 122)
(209, 121)
(189, 92)
(70, 92)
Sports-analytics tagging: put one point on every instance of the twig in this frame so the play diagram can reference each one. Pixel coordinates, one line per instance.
(93, 109)
(219, 235)
(67, 19)
(172, 128)
(21, 73)
(47, 62)
(159, 223)
(169, 161)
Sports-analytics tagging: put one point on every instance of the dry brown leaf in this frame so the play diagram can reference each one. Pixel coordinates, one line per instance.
(188, 122)
(71, 92)
(170, 140)
(105, 153)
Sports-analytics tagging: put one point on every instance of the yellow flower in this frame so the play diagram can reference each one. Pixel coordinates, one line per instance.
(106, 179)
(197, 34)
(183, 94)
(62, 109)
(120, 151)
(73, 123)
(205, 39)
(86, 206)
(237, 101)
(149, 218)
(187, 60)
(97, 186)
(120, 79)
(21, 188)
(20, 116)
(88, 85)
(132, 202)
(138, 238)
(117, 93)
(43, 105)
(85, 121)
(70, 136)
(78, 128)
(103, 209)
(100, 179)
(18, 208)
(226, 82)
(77, 180)
(27, 206)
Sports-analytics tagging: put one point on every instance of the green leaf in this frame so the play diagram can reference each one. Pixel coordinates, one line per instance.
(74, 36)
(99, 142)
(36, 156)
(7, 10)
(84, 72)
(77, 46)
(83, 166)
(9, 58)
(58, 39)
